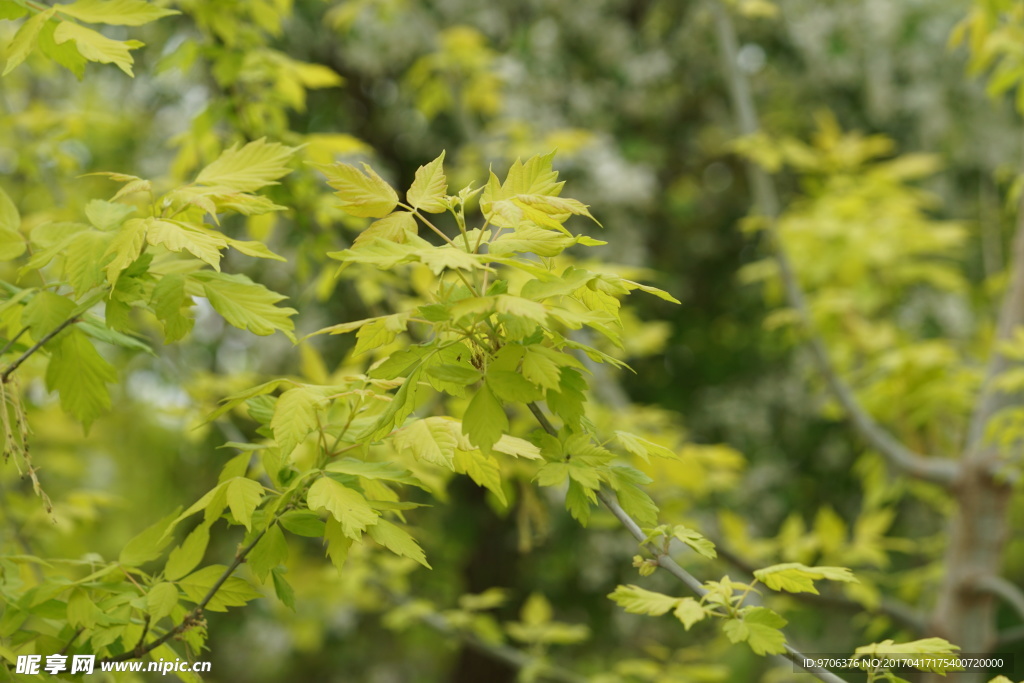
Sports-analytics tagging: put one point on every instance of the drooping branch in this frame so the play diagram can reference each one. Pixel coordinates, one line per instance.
(767, 201)
(666, 562)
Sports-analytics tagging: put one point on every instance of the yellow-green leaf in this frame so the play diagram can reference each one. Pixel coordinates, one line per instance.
(346, 505)
(257, 164)
(484, 421)
(177, 236)
(161, 600)
(244, 496)
(429, 439)
(189, 554)
(794, 577)
(96, 47)
(25, 39)
(125, 247)
(116, 12)
(12, 242)
(362, 194)
(80, 375)
(246, 304)
(637, 600)
(430, 187)
(397, 541)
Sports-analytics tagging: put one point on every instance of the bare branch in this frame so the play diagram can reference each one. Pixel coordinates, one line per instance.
(767, 202)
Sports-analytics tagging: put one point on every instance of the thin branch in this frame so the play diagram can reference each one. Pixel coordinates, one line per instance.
(35, 347)
(13, 340)
(666, 562)
(71, 642)
(196, 615)
(767, 201)
(1010, 592)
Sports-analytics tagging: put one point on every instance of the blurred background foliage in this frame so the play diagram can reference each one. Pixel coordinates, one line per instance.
(899, 232)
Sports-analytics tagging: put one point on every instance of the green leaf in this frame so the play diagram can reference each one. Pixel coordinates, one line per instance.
(81, 610)
(385, 471)
(483, 470)
(96, 47)
(638, 504)
(44, 313)
(149, 544)
(541, 367)
(107, 216)
(517, 448)
(257, 164)
(338, 542)
(254, 249)
(484, 421)
(366, 195)
(282, 588)
(161, 600)
(66, 54)
(189, 554)
(83, 260)
(430, 187)
(235, 592)
(12, 242)
(246, 304)
(455, 373)
(642, 448)
(303, 523)
(512, 387)
(431, 439)
(689, 612)
(637, 600)
(695, 540)
(395, 227)
(268, 553)
(397, 541)
(116, 12)
(80, 375)
(125, 247)
(170, 303)
(346, 505)
(924, 646)
(25, 39)
(244, 496)
(177, 236)
(794, 577)
(578, 500)
(759, 628)
(294, 417)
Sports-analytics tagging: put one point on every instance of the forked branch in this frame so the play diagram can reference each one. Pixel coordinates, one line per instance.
(767, 202)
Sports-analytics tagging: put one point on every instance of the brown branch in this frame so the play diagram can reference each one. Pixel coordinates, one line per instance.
(35, 347)
(196, 615)
(666, 562)
(767, 201)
